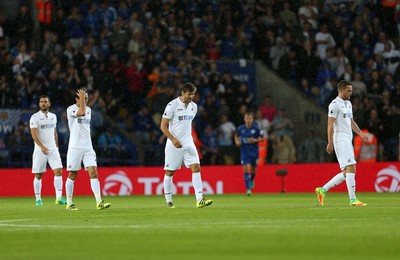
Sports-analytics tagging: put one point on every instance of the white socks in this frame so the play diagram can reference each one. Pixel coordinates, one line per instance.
(95, 184)
(37, 188)
(69, 190)
(351, 185)
(197, 185)
(58, 186)
(168, 188)
(196, 182)
(339, 178)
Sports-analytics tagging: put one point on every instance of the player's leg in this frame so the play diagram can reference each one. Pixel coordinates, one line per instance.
(39, 161)
(56, 165)
(198, 187)
(348, 163)
(37, 187)
(321, 191)
(168, 188)
(191, 159)
(69, 189)
(253, 168)
(74, 161)
(58, 186)
(89, 161)
(173, 161)
(351, 186)
(247, 176)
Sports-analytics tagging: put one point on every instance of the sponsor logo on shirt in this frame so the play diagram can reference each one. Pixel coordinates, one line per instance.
(182, 118)
(347, 115)
(83, 121)
(48, 126)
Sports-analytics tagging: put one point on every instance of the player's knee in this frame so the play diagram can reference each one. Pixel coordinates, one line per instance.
(195, 167)
(72, 175)
(58, 172)
(351, 169)
(169, 173)
(38, 176)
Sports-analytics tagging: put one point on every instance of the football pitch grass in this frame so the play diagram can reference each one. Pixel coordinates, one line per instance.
(263, 226)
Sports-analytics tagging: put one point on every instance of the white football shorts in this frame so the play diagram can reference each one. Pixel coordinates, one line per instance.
(40, 160)
(75, 157)
(174, 157)
(344, 153)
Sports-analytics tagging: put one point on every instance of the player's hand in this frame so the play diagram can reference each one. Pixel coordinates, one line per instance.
(81, 93)
(45, 150)
(176, 143)
(329, 148)
(364, 138)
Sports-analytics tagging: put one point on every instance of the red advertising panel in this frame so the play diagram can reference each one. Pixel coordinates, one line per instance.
(370, 177)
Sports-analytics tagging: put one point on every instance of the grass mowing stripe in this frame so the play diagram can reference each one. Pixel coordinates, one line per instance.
(263, 226)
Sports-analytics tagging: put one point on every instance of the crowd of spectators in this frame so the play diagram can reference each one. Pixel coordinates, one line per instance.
(132, 56)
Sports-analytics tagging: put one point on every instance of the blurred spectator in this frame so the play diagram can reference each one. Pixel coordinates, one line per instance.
(210, 146)
(276, 52)
(359, 86)
(325, 80)
(119, 37)
(283, 150)
(44, 12)
(165, 92)
(63, 131)
(7, 97)
(375, 84)
(379, 46)
(311, 149)
(373, 122)
(388, 82)
(366, 151)
(18, 144)
(288, 17)
(391, 57)
(24, 24)
(110, 143)
(390, 129)
(289, 67)
(268, 110)
(324, 40)
(137, 44)
(226, 131)
(308, 12)
(282, 124)
(75, 30)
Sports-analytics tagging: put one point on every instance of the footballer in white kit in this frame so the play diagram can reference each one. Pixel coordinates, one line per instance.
(80, 149)
(176, 125)
(43, 130)
(340, 135)
(180, 126)
(342, 111)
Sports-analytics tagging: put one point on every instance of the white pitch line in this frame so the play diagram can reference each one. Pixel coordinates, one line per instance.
(15, 220)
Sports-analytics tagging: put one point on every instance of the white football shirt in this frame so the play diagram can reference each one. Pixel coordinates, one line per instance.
(45, 125)
(343, 112)
(79, 128)
(181, 117)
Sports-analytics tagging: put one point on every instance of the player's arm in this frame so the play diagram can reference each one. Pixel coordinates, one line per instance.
(164, 128)
(358, 131)
(56, 137)
(331, 122)
(35, 137)
(81, 102)
(236, 138)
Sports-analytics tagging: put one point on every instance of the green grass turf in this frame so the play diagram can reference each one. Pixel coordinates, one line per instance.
(263, 226)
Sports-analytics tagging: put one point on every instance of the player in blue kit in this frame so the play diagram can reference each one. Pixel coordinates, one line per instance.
(247, 137)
